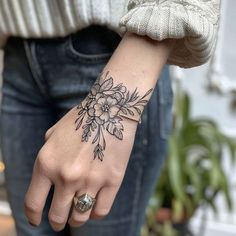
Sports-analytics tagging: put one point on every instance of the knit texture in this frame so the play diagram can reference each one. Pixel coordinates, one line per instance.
(193, 22)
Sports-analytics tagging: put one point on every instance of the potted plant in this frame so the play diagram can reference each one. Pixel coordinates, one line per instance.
(193, 174)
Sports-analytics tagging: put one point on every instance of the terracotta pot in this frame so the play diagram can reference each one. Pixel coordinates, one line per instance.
(165, 215)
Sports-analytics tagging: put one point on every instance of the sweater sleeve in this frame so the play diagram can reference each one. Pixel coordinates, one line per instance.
(194, 23)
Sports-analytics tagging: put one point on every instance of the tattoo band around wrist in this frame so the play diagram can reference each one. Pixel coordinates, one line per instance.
(103, 109)
(136, 119)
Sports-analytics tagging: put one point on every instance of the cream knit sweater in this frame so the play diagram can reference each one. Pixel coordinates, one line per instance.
(193, 22)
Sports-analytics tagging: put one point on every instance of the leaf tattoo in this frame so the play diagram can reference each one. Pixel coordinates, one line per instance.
(103, 108)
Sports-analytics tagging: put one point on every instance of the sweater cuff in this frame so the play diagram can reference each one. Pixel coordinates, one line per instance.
(195, 27)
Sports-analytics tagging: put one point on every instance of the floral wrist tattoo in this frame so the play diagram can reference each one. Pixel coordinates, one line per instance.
(103, 110)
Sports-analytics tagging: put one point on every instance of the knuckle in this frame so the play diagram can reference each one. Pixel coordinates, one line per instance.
(116, 180)
(55, 219)
(46, 151)
(80, 219)
(31, 207)
(94, 179)
(101, 213)
(67, 175)
(43, 161)
(47, 134)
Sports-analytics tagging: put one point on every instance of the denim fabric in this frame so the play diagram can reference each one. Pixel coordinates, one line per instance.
(42, 80)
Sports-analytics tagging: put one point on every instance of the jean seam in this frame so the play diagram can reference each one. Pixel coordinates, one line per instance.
(135, 202)
(35, 69)
(163, 103)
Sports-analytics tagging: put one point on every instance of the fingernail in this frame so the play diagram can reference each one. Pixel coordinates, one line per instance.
(34, 225)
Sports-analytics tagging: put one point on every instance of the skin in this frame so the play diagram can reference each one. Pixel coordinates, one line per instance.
(67, 163)
(103, 109)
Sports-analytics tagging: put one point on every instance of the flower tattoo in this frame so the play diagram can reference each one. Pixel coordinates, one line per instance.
(103, 109)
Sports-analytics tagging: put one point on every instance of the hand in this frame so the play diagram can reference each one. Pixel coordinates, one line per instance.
(87, 151)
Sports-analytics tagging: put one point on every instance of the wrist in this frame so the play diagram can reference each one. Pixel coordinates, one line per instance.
(108, 99)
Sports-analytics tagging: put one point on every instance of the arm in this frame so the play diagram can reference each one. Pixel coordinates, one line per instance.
(138, 61)
(70, 158)
(124, 86)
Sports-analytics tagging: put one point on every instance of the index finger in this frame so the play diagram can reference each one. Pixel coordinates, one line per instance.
(36, 195)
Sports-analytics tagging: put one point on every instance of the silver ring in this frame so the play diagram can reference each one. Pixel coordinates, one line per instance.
(84, 202)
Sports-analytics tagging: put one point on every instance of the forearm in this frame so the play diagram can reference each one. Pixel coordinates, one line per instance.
(135, 66)
(138, 61)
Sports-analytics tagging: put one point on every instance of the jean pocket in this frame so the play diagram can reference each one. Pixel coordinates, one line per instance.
(86, 52)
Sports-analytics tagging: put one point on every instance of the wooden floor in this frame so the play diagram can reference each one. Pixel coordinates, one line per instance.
(7, 226)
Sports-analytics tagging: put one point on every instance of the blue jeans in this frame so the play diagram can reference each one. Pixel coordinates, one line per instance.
(42, 80)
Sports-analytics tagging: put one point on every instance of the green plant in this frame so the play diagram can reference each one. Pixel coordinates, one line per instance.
(193, 174)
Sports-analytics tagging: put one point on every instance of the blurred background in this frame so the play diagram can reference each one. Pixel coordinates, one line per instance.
(196, 194)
